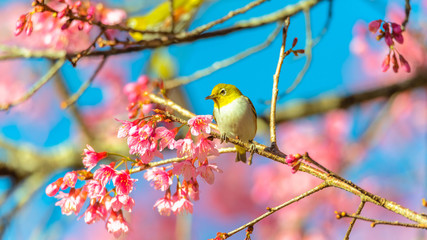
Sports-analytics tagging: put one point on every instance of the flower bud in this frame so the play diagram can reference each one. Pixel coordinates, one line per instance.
(386, 63)
(404, 63)
(396, 28)
(374, 26)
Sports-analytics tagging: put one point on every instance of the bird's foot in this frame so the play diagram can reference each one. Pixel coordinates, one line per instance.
(223, 137)
(252, 151)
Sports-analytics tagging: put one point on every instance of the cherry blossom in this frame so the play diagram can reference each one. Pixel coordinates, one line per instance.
(95, 189)
(206, 171)
(69, 180)
(204, 148)
(122, 201)
(105, 173)
(164, 205)
(186, 169)
(123, 182)
(159, 177)
(53, 188)
(71, 202)
(95, 212)
(200, 124)
(181, 203)
(185, 147)
(166, 138)
(91, 158)
(116, 224)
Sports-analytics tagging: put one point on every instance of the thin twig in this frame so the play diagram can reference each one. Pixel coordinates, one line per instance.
(171, 9)
(325, 28)
(70, 101)
(229, 15)
(380, 222)
(223, 63)
(276, 83)
(13, 52)
(308, 55)
(85, 52)
(359, 210)
(64, 94)
(275, 209)
(52, 71)
(407, 13)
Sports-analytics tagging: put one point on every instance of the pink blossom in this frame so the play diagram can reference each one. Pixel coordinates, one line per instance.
(185, 147)
(192, 189)
(71, 202)
(91, 158)
(125, 128)
(204, 148)
(69, 180)
(95, 212)
(166, 137)
(105, 173)
(141, 141)
(375, 25)
(123, 182)
(164, 205)
(136, 93)
(186, 168)
(206, 171)
(120, 201)
(95, 189)
(61, 33)
(200, 124)
(53, 188)
(182, 204)
(404, 63)
(159, 177)
(116, 224)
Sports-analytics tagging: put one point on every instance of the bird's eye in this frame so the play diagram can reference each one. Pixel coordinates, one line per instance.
(222, 92)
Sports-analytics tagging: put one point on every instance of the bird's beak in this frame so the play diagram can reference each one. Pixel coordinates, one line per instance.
(210, 97)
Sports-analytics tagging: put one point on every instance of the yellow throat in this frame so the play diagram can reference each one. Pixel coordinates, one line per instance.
(223, 94)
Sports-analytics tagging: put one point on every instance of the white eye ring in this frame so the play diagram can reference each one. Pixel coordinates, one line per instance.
(222, 92)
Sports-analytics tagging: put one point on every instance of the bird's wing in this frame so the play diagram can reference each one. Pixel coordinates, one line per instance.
(253, 110)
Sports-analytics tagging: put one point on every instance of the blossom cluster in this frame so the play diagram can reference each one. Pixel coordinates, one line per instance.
(390, 37)
(67, 24)
(108, 188)
(137, 92)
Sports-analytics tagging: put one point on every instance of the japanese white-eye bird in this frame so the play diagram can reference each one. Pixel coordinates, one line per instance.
(235, 115)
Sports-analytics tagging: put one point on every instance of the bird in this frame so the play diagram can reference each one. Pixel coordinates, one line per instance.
(235, 116)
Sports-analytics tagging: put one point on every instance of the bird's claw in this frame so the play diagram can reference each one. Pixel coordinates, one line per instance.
(252, 149)
(223, 137)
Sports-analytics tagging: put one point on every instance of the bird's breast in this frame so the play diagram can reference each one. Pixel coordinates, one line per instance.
(237, 119)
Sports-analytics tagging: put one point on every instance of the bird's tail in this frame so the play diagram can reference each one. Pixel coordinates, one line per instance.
(241, 154)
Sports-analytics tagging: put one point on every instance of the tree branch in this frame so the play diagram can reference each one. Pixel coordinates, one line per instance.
(277, 208)
(359, 210)
(276, 76)
(52, 71)
(70, 101)
(380, 222)
(300, 109)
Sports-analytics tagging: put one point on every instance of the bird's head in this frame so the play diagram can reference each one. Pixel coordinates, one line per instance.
(223, 94)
